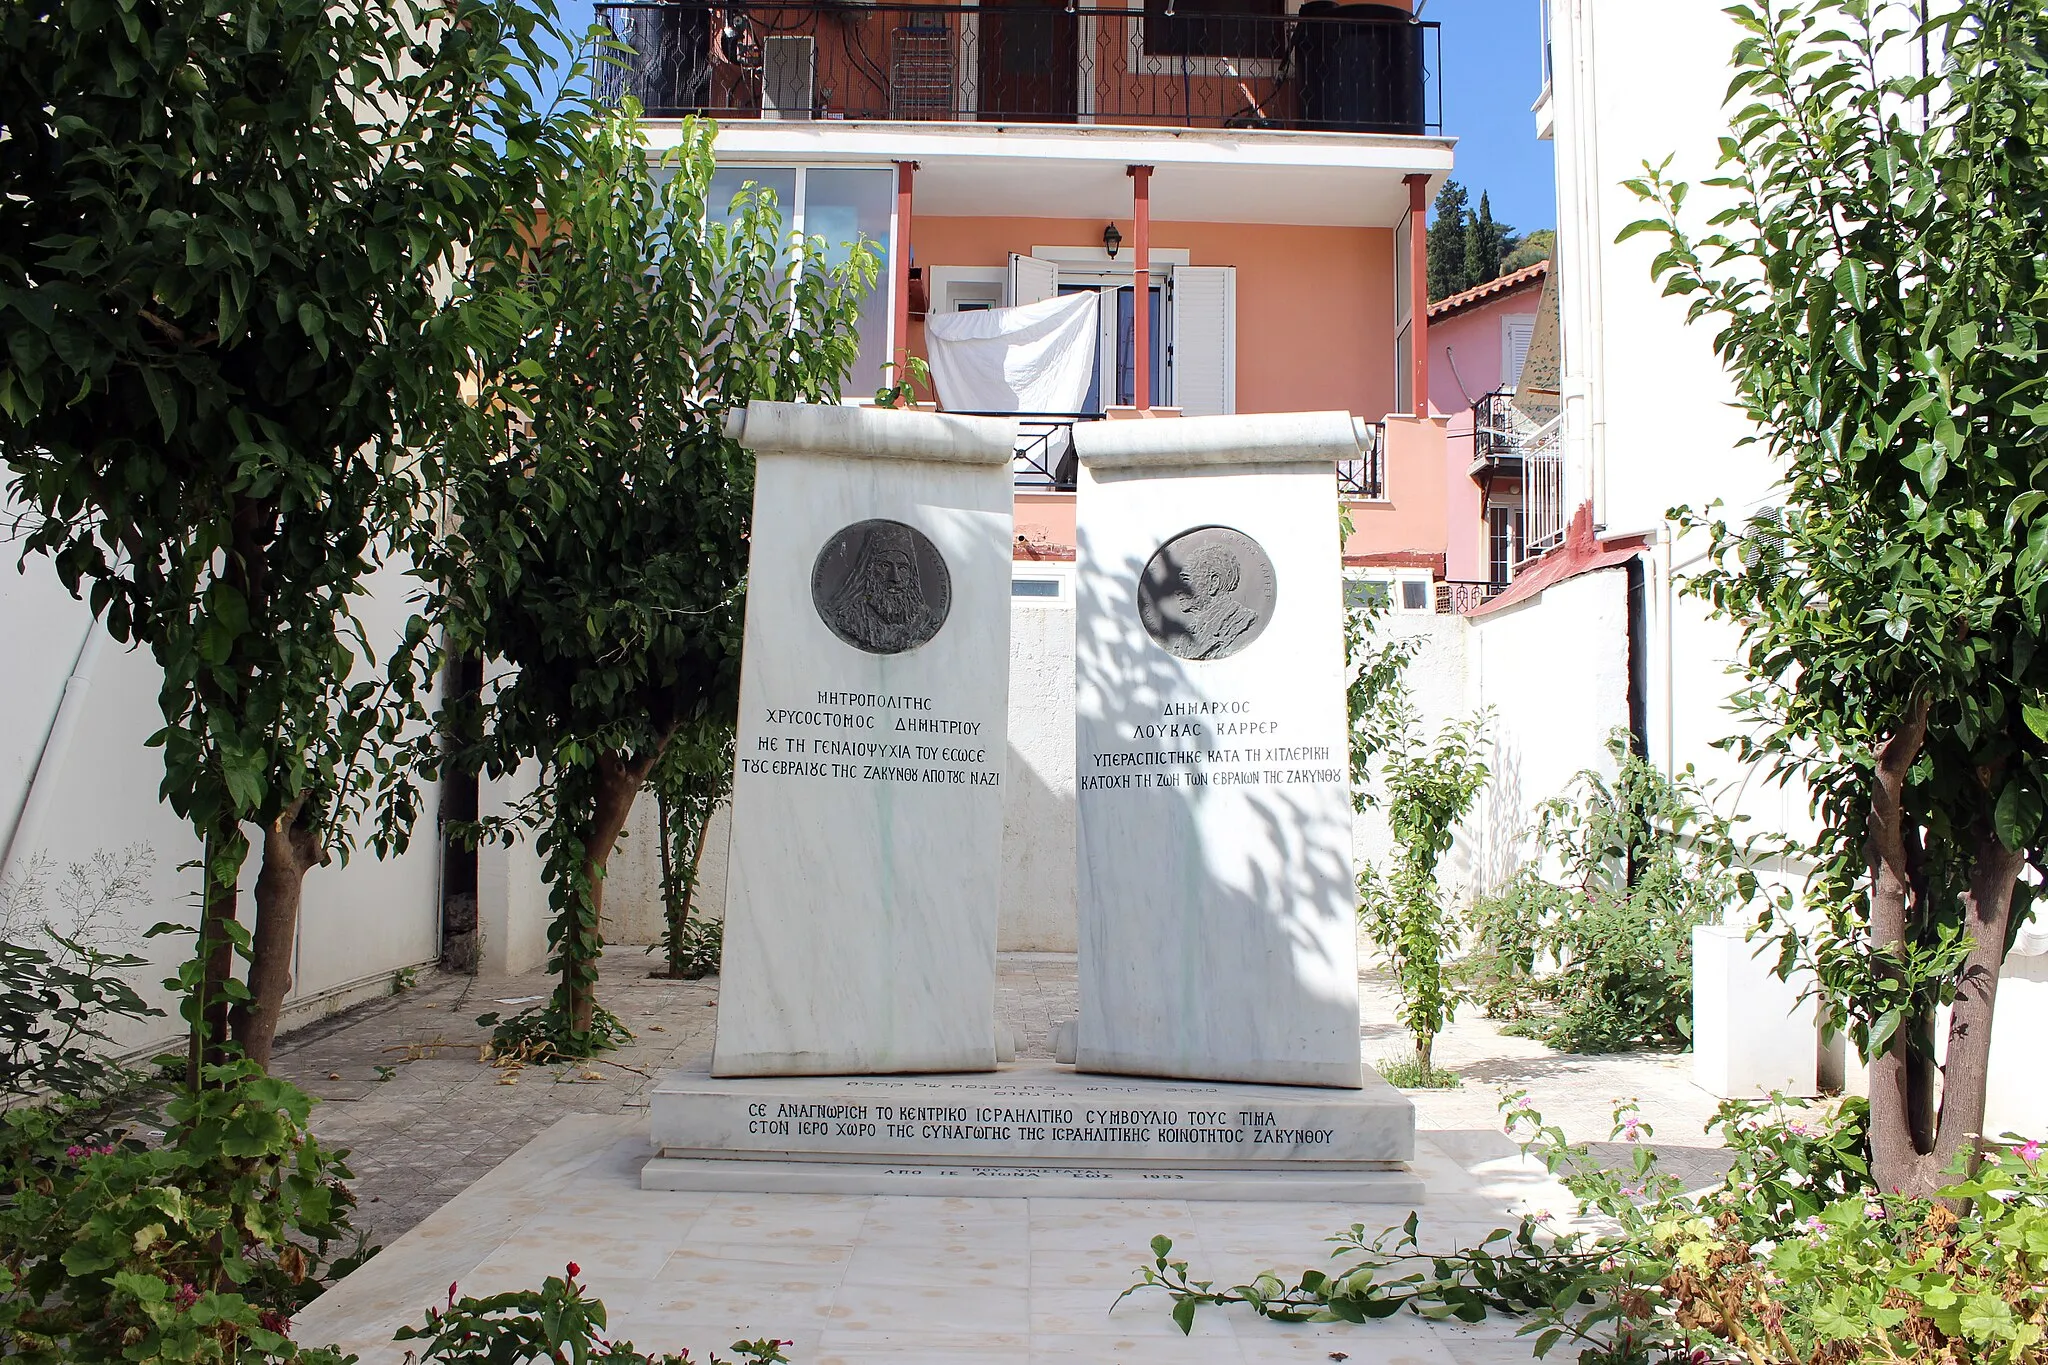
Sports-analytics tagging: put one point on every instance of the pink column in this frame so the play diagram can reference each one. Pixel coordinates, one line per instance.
(1141, 280)
(1418, 292)
(900, 269)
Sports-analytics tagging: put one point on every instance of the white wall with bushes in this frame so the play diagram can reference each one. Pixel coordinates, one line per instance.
(78, 784)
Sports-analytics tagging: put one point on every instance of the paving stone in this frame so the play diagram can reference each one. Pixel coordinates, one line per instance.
(442, 1119)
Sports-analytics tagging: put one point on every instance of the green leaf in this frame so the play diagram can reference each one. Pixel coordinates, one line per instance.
(1848, 341)
(1852, 280)
(1184, 1315)
(2036, 716)
(2017, 816)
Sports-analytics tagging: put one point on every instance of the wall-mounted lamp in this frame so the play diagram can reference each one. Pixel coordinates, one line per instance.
(1111, 240)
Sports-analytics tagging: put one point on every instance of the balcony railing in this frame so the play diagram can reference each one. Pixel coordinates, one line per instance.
(1173, 63)
(1543, 490)
(1045, 447)
(1366, 477)
(1460, 596)
(1498, 428)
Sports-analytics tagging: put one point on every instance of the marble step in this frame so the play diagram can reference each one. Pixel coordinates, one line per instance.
(1391, 1185)
(1032, 1121)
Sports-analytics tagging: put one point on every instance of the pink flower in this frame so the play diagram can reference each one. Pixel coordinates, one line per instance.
(2030, 1151)
(186, 1296)
(1631, 1130)
(574, 1270)
(451, 1293)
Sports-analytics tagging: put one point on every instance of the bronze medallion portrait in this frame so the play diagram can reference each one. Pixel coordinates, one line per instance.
(881, 586)
(1207, 593)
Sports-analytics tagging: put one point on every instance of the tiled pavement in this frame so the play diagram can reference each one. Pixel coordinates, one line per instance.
(424, 1120)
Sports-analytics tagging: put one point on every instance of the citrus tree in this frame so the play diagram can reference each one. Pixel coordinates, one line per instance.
(599, 512)
(1879, 287)
(223, 226)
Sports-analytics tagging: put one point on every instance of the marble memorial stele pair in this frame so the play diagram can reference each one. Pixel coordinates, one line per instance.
(1216, 935)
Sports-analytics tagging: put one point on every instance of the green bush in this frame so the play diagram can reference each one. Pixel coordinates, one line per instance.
(196, 1248)
(1793, 1259)
(694, 949)
(1600, 959)
(553, 1323)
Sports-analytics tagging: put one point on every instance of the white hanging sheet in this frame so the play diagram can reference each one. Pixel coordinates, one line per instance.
(1037, 357)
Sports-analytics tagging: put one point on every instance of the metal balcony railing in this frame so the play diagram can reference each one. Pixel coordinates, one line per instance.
(1176, 63)
(1456, 596)
(1366, 477)
(1543, 489)
(1045, 447)
(1498, 428)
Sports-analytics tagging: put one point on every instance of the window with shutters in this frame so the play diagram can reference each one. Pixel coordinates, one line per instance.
(1515, 333)
(1204, 339)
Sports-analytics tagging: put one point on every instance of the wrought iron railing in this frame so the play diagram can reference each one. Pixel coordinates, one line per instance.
(1459, 596)
(1045, 447)
(1498, 427)
(1366, 476)
(1027, 62)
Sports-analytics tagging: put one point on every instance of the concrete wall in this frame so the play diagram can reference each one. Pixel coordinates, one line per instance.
(1038, 909)
(1554, 671)
(75, 795)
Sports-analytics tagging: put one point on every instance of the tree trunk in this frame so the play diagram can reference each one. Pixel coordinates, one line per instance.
(1425, 1048)
(291, 848)
(1987, 909)
(618, 782)
(1894, 1153)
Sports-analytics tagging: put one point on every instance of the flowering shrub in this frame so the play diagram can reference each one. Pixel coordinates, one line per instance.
(1792, 1260)
(197, 1248)
(553, 1323)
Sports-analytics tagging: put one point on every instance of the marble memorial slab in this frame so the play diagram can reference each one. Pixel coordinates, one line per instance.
(1029, 1118)
(1217, 925)
(866, 854)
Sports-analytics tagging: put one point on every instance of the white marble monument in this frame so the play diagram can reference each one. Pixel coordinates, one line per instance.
(866, 855)
(1217, 928)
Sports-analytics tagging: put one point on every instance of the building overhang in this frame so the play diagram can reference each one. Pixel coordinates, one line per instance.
(1029, 170)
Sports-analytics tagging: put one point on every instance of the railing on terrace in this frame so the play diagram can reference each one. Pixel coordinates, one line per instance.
(1459, 596)
(1498, 427)
(1543, 492)
(1366, 476)
(1045, 447)
(1176, 63)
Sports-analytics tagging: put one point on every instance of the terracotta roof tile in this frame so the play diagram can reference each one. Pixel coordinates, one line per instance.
(1527, 276)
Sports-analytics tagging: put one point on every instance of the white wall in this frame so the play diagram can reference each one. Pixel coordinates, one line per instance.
(632, 893)
(90, 789)
(1554, 671)
(1038, 912)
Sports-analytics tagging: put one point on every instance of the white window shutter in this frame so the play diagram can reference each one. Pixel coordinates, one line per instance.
(1515, 334)
(1032, 280)
(1204, 356)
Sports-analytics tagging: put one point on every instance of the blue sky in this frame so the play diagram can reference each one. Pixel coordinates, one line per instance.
(1492, 71)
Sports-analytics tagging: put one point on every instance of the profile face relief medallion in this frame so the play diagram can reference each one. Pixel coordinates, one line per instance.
(881, 586)
(1207, 593)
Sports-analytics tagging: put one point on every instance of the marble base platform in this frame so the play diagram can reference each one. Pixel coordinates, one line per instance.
(1034, 1125)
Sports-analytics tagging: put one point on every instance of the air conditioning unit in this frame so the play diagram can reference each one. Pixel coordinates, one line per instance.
(789, 75)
